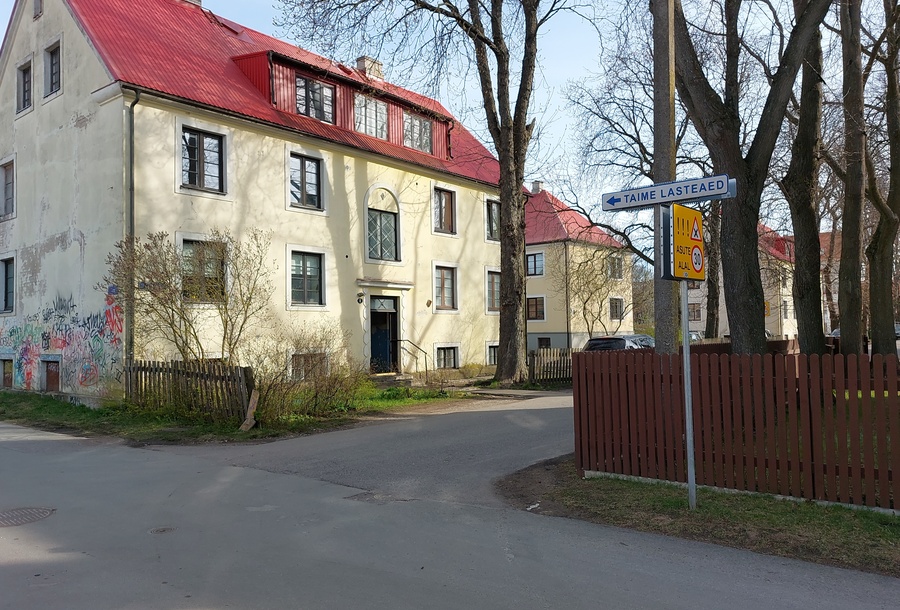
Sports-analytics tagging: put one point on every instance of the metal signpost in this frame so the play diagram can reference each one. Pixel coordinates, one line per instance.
(685, 259)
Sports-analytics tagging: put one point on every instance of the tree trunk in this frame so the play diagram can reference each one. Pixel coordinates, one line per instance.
(714, 258)
(800, 189)
(849, 283)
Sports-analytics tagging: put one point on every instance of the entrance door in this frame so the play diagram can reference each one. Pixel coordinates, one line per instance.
(384, 334)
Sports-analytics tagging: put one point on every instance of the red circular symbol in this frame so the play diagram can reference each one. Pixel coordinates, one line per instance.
(697, 259)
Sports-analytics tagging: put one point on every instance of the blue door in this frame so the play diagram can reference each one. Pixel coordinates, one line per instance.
(384, 334)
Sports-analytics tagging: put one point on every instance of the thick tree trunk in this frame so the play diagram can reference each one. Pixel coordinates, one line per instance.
(714, 259)
(799, 187)
(849, 289)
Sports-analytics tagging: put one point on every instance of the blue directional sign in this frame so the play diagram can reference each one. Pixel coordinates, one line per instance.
(695, 189)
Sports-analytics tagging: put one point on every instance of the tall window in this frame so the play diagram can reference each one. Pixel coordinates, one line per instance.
(786, 309)
(23, 88)
(616, 308)
(492, 354)
(493, 220)
(445, 288)
(382, 235)
(614, 264)
(203, 271)
(493, 291)
(52, 70)
(694, 313)
(9, 189)
(416, 132)
(534, 308)
(306, 279)
(534, 264)
(8, 266)
(201, 160)
(38, 8)
(371, 116)
(315, 99)
(444, 211)
(447, 358)
(305, 183)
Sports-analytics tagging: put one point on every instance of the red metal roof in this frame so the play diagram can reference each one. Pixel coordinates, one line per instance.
(776, 245)
(179, 49)
(547, 219)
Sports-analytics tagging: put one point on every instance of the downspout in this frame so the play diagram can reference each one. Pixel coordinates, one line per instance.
(568, 307)
(129, 228)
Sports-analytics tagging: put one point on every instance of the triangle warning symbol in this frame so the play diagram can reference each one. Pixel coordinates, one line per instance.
(695, 232)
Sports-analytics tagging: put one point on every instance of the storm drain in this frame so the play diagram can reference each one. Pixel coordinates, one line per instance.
(21, 516)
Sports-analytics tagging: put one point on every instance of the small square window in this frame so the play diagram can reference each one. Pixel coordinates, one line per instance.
(308, 366)
(544, 343)
(306, 190)
(371, 116)
(52, 70)
(616, 309)
(416, 132)
(447, 358)
(534, 264)
(493, 291)
(534, 308)
(201, 160)
(23, 87)
(306, 279)
(493, 220)
(444, 288)
(203, 271)
(444, 211)
(315, 99)
(9, 189)
(694, 312)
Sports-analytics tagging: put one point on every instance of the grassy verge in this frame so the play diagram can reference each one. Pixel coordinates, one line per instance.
(142, 426)
(833, 535)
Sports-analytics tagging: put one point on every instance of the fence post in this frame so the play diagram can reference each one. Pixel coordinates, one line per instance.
(531, 357)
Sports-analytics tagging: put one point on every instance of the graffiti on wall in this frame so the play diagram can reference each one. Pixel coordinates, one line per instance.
(88, 346)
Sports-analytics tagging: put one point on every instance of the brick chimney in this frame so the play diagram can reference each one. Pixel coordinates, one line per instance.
(370, 67)
(536, 187)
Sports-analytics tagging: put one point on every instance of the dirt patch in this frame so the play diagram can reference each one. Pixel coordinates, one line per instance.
(533, 488)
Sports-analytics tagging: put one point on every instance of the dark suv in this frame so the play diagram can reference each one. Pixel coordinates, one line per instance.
(601, 344)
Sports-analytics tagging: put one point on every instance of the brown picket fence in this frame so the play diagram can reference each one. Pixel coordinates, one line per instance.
(821, 428)
(208, 387)
(550, 364)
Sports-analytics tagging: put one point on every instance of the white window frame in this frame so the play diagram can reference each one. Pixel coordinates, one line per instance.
(487, 352)
(435, 187)
(10, 159)
(543, 297)
(456, 288)
(326, 255)
(363, 127)
(56, 43)
(455, 346)
(180, 238)
(291, 150)
(487, 221)
(409, 119)
(543, 262)
(487, 290)
(228, 160)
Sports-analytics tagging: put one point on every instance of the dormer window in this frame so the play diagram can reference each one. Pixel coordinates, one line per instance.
(371, 116)
(315, 99)
(416, 132)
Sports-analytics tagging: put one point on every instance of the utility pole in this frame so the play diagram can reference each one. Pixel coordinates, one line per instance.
(665, 293)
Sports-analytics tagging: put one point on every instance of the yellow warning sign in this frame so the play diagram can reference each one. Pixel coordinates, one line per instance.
(688, 257)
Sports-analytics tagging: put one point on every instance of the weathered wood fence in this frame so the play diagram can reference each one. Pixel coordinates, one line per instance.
(208, 387)
(550, 364)
(823, 428)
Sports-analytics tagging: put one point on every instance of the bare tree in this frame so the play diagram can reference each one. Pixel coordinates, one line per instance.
(501, 40)
(716, 114)
(220, 287)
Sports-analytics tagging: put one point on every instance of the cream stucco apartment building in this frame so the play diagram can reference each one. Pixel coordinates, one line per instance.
(160, 114)
(579, 282)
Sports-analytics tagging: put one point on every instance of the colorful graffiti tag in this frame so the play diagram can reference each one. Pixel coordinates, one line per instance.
(89, 347)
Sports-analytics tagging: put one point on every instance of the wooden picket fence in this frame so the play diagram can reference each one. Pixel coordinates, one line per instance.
(550, 364)
(208, 387)
(822, 428)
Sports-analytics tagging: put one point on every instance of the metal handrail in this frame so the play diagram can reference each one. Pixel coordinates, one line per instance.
(424, 353)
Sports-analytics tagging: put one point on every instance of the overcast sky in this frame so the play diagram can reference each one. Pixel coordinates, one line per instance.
(568, 50)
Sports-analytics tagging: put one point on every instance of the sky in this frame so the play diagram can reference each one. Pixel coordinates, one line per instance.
(568, 50)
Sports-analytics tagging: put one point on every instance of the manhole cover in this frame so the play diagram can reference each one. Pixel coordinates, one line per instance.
(21, 516)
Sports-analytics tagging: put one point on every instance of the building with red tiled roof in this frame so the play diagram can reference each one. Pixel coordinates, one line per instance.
(579, 281)
(125, 117)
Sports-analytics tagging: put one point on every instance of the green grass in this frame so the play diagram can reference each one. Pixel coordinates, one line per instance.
(833, 535)
(139, 425)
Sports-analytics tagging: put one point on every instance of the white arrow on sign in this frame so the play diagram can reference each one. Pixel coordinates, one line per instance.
(695, 189)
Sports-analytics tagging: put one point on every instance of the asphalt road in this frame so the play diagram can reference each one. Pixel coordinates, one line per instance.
(396, 514)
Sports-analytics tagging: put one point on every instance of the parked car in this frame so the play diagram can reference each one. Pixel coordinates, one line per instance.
(695, 336)
(600, 344)
(644, 341)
